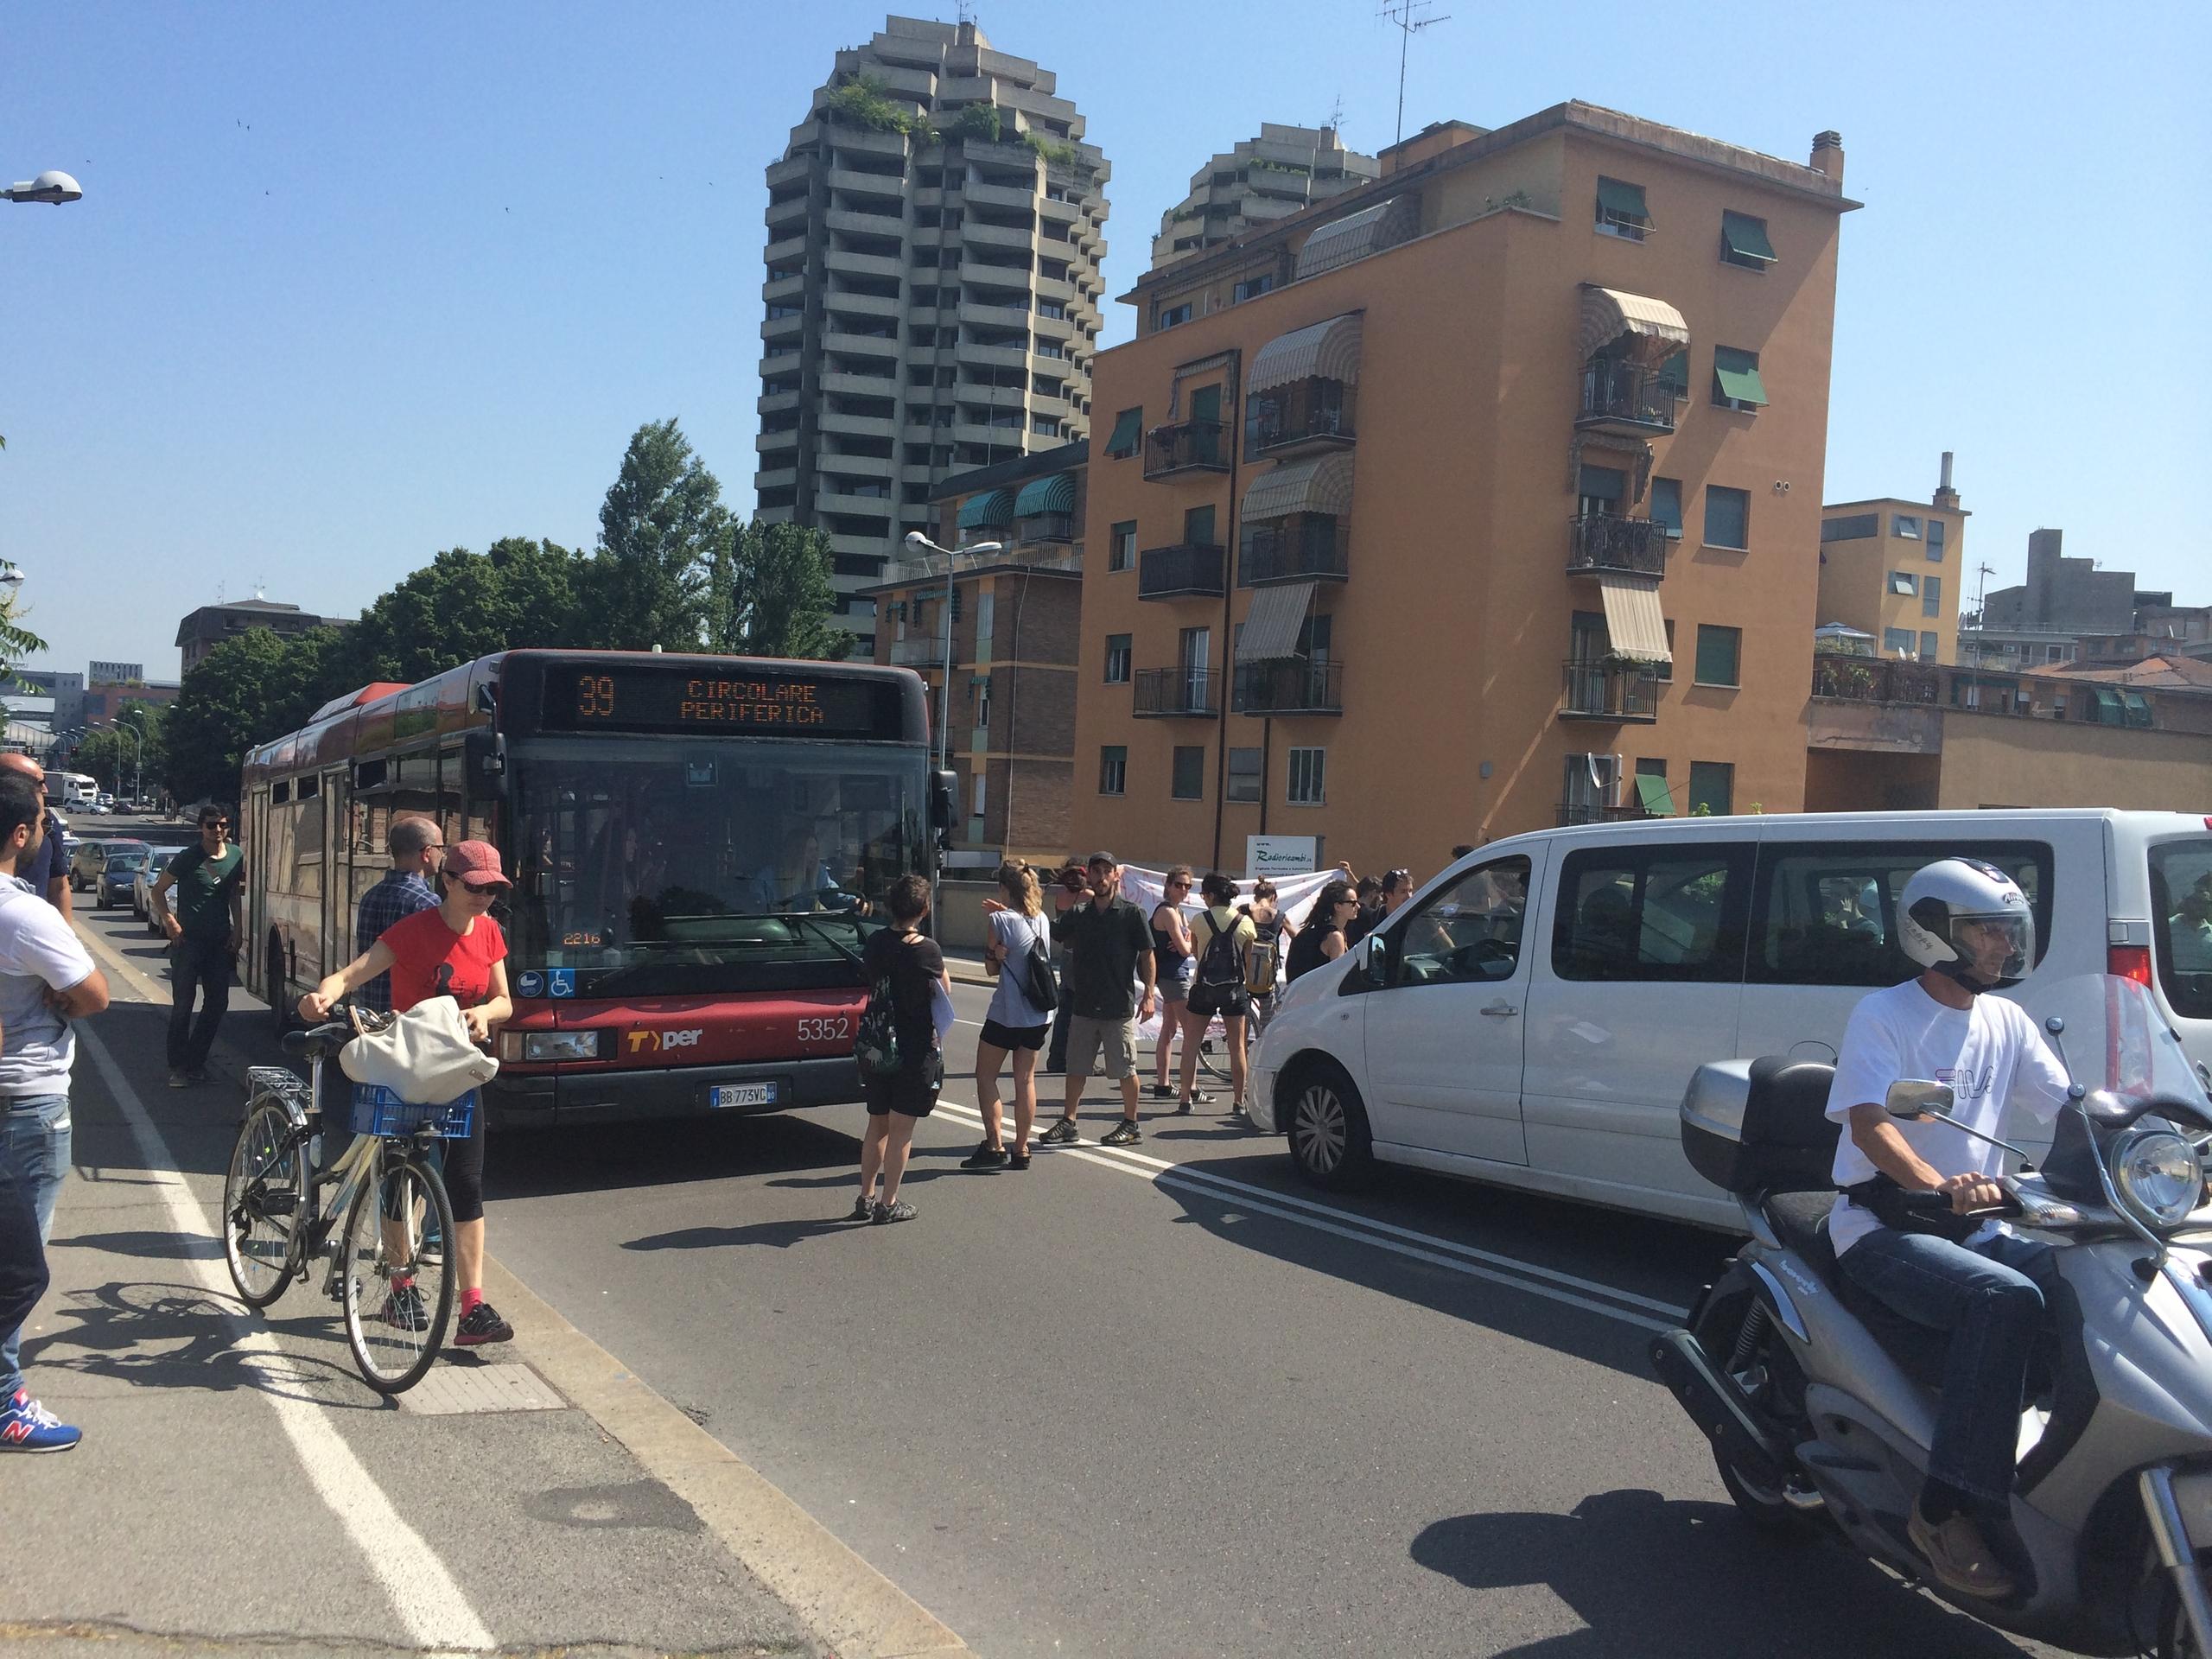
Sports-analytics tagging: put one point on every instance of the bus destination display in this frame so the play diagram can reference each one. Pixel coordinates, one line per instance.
(761, 703)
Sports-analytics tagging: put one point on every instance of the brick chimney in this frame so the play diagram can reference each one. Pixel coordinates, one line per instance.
(1827, 154)
(1946, 497)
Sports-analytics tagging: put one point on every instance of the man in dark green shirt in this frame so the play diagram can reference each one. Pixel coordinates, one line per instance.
(1109, 944)
(205, 931)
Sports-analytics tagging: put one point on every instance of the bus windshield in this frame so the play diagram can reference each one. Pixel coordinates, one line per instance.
(653, 867)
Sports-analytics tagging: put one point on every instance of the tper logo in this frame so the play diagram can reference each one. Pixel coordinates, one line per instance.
(663, 1041)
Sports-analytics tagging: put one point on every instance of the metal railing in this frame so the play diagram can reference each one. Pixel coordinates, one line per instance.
(1599, 541)
(1185, 571)
(917, 652)
(1571, 812)
(1044, 527)
(1186, 447)
(1611, 690)
(1291, 686)
(1174, 692)
(1301, 547)
(1874, 679)
(1304, 411)
(1625, 394)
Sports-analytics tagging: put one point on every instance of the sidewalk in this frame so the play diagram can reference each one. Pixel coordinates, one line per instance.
(240, 1484)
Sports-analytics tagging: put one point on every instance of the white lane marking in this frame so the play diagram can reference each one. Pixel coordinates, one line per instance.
(1384, 1236)
(428, 1602)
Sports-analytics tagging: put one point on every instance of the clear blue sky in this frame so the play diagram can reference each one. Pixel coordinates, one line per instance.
(352, 284)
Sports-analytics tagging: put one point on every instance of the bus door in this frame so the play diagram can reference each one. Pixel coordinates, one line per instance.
(253, 835)
(334, 929)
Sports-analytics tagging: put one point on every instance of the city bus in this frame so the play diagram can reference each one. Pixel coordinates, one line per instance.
(699, 845)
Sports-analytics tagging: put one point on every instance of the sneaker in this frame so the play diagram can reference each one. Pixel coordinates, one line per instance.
(405, 1308)
(1959, 1556)
(178, 1080)
(197, 1075)
(1124, 1134)
(1160, 1091)
(986, 1156)
(1062, 1134)
(901, 1211)
(481, 1325)
(864, 1209)
(26, 1425)
(1017, 1160)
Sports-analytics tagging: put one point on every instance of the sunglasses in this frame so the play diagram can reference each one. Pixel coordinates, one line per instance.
(214, 823)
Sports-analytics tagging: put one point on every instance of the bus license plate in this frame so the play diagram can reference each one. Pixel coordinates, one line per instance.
(725, 1095)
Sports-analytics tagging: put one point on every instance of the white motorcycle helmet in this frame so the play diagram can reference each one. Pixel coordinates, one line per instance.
(1949, 895)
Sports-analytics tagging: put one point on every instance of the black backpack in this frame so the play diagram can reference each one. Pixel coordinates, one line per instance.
(1038, 984)
(1219, 986)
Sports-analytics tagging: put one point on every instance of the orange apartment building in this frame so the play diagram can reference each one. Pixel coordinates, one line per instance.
(1892, 569)
(1485, 496)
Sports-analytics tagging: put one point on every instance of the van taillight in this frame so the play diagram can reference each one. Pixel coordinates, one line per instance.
(2129, 961)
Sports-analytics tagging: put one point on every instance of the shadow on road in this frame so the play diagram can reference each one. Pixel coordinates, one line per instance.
(780, 1235)
(1648, 1576)
(535, 1163)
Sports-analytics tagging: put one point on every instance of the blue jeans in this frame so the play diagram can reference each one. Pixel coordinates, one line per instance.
(1989, 1298)
(33, 1157)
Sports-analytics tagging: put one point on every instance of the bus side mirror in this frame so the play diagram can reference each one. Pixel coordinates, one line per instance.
(485, 755)
(945, 793)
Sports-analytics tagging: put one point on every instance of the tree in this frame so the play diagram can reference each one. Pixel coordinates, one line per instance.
(16, 641)
(463, 606)
(776, 598)
(127, 753)
(246, 691)
(662, 531)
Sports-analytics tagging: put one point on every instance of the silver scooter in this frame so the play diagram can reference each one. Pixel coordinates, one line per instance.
(1820, 1403)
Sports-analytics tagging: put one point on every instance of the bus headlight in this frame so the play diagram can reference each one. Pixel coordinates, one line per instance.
(548, 1045)
(2158, 1175)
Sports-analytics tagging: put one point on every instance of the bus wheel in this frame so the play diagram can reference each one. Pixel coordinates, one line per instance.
(280, 1000)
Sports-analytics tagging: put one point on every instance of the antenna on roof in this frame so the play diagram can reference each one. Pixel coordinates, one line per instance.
(1409, 17)
(1336, 121)
(967, 12)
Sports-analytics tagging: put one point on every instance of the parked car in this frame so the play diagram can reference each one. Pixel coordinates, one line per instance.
(1533, 1017)
(119, 872)
(142, 882)
(91, 857)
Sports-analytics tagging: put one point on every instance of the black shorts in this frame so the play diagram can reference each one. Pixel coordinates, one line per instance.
(1011, 1037)
(910, 1089)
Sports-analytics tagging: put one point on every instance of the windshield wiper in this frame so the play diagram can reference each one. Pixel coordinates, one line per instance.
(828, 937)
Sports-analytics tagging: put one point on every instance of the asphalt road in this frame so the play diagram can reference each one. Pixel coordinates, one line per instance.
(1169, 1401)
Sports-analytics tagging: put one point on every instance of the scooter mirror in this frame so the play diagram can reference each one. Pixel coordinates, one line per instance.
(1909, 1098)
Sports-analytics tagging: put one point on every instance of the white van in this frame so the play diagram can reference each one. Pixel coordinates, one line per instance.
(1533, 1016)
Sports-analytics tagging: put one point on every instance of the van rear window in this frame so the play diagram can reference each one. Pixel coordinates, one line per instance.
(2181, 928)
(1826, 913)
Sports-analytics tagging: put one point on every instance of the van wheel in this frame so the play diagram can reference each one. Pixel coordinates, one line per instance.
(1329, 1138)
(280, 998)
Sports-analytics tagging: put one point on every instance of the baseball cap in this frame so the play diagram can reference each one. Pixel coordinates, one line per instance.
(1105, 859)
(476, 864)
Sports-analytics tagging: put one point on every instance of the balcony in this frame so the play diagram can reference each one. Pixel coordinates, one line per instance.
(1637, 546)
(1186, 447)
(1181, 572)
(1293, 686)
(917, 652)
(1303, 548)
(1044, 527)
(1624, 398)
(1305, 413)
(1192, 693)
(1573, 812)
(1625, 692)
(1876, 679)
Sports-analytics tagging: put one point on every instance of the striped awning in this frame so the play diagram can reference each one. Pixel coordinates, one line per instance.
(1319, 485)
(1041, 495)
(1635, 632)
(1356, 235)
(989, 511)
(1321, 351)
(1272, 625)
(1656, 328)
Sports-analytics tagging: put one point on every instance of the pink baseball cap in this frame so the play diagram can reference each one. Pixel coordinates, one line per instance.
(476, 864)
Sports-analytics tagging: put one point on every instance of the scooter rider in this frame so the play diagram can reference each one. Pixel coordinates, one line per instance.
(1968, 927)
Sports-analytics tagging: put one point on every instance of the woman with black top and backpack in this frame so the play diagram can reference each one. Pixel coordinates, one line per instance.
(1020, 955)
(897, 1045)
(1221, 938)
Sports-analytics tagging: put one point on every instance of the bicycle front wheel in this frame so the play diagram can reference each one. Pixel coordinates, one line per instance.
(396, 1277)
(264, 1202)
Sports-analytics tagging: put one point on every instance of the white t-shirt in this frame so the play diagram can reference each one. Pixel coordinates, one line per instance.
(1014, 933)
(38, 950)
(1991, 1054)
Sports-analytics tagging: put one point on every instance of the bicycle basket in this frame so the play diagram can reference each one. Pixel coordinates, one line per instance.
(378, 1110)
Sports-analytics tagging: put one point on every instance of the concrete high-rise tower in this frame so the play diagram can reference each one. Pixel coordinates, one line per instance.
(1285, 170)
(935, 230)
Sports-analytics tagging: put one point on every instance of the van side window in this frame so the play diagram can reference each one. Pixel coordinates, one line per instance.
(1666, 913)
(1825, 913)
(2181, 923)
(1469, 932)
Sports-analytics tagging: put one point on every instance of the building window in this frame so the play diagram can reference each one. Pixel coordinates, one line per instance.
(1713, 788)
(1621, 210)
(1122, 546)
(1053, 308)
(1855, 528)
(977, 810)
(1902, 582)
(1935, 540)
(1189, 783)
(1931, 595)
(1244, 774)
(1198, 526)
(1727, 517)
(1117, 659)
(1897, 642)
(1128, 436)
(1306, 778)
(1736, 383)
(1250, 289)
(1720, 651)
(1171, 315)
(1930, 647)
(1666, 505)
(1598, 490)
(1743, 242)
(1905, 526)
(1114, 769)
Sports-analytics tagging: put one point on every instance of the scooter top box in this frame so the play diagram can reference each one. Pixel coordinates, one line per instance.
(1758, 1126)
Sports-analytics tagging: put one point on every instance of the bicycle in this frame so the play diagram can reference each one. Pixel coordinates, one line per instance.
(389, 1270)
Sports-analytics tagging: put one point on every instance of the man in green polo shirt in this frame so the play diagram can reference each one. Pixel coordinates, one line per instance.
(205, 931)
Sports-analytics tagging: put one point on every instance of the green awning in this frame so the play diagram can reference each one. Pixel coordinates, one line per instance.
(1737, 374)
(1652, 793)
(2139, 708)
(1625, 200)
(988, 510)
(1742, 237)
(1129, 433)
(2110, 711)
(1675, 373)
(1606, 483)
(1042, 495)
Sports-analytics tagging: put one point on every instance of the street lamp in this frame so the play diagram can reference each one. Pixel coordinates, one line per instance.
(10, 574)
(139, 757)
(51, 187)
(921, 543)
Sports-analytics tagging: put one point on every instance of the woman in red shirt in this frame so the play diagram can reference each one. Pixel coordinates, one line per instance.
(455, 949)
